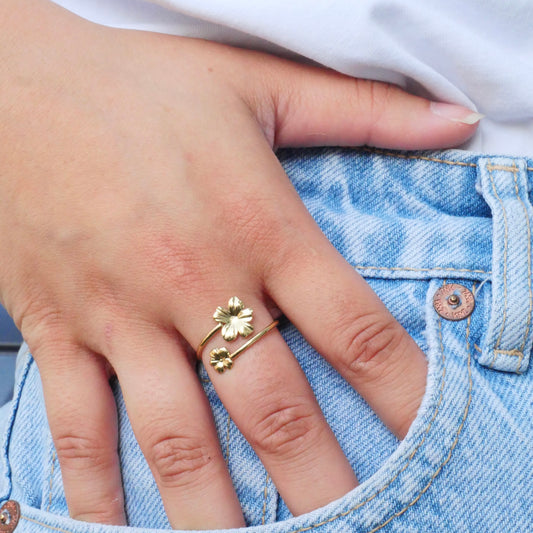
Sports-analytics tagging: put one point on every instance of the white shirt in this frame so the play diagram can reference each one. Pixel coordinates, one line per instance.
(478, 53)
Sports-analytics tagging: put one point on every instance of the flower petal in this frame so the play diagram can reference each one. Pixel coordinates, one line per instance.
(230, 331)
(219, 354)
(235, 305)
(222, 315)
(246, 314)
(245, 329)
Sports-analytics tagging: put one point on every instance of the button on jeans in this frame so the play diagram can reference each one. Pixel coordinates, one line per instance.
(409, 223)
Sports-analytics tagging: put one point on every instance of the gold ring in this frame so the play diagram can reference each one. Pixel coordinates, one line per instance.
(233, 321)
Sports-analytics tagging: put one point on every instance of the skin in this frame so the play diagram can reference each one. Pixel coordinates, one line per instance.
(140, 191)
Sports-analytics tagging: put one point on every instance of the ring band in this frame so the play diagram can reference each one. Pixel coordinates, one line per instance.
(233, 321)
(221, 359)
(205, 340)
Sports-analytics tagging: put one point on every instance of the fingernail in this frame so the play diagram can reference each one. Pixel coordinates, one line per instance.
(455, 113)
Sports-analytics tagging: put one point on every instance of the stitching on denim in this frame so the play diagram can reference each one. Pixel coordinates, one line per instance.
(478, 348)
(528, 260)
(51, 480)
(505, 168)
(423, 158)
(410, 458)
(508, 353)
(265, 498)
(505, 251)
(45, 525)
(459, 430)
(418, 157)
(228, 425)
(515, 353)
(443, 269)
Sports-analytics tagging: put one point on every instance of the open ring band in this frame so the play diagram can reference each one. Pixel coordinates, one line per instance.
(233, 321)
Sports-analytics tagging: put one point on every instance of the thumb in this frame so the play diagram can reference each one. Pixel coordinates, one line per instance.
(319, 107)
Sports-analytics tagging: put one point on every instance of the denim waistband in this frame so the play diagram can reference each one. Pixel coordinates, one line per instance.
(426, 215)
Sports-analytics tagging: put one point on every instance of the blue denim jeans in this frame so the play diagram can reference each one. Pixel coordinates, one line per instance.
(409, 223)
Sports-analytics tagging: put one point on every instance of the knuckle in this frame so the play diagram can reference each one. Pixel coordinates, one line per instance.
(373, 97)
(83, 453)
(367, 344)
(378, 96)
(41, 325)
(283, 428)
(179, 460)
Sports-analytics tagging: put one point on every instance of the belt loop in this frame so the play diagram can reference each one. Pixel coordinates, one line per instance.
(508, 340)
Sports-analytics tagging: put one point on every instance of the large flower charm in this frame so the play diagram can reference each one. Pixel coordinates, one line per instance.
(221, 360)
(236, 319)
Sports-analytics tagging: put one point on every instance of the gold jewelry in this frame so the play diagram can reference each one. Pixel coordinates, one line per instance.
(234, 321)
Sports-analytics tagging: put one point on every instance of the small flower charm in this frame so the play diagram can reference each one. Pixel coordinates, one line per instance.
(236, 319)
(221, 360)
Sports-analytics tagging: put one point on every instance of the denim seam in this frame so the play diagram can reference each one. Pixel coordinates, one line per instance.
(425, 158)
(45, 525)
(51, 480)
(505, 168)
(514, 353)
(265, 499)
(409, 269)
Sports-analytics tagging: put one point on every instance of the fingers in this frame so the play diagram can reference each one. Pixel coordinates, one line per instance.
(347, 323)
(316, 107)
(82, 417)
(271, 402)
(173, 424)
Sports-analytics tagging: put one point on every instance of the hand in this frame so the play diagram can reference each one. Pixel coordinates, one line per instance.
(140, 191)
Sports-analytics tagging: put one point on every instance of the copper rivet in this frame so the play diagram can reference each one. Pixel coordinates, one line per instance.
(9, 516)
(454, 302)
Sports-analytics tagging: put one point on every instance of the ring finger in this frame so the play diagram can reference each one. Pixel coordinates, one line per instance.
(268, 396)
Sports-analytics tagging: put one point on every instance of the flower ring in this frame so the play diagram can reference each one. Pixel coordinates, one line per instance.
(221, 360)
(233, 321)
(236, 319)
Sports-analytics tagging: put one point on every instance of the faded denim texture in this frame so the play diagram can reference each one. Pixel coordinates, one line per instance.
(409, 223)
